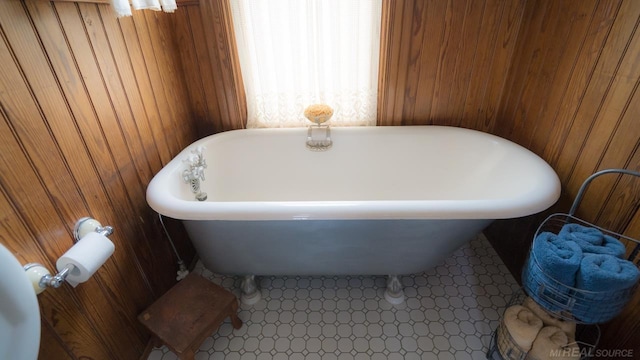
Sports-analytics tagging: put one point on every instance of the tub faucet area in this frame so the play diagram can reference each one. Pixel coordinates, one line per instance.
(194, 173)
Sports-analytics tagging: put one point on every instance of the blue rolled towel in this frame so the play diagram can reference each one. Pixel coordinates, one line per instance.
(600, 272)
(605, 280)
(592, 240)
(558, 258)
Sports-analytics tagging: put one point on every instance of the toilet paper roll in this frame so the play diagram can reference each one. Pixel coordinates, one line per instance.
(86, 256)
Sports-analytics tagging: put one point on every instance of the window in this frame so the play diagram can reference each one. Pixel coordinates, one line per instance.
(294, 53)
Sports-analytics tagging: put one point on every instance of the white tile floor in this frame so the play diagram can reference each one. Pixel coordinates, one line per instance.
(449, 313)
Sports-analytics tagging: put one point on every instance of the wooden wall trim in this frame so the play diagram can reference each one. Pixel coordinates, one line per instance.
(233, 62)
(386, 30)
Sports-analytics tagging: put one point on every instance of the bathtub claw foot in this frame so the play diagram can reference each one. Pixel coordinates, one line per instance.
(394, 293)
(250, 293)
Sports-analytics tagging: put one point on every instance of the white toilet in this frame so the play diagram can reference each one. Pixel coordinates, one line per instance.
(19, 311)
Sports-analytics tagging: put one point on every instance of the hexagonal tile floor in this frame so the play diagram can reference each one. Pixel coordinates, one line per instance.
(449, 313)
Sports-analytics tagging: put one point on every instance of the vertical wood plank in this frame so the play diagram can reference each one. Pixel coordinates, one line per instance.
(484, 59)
(406, 32)
(190, 64)
(170, 71)
(507, 39)
(528, 104)
(214, 123)
(215, 65)
(527, 60)
(143, 79)
(386, 29)
(220, 42)
(161, 95)
(433, 25)
(473, 15)
(412, 67)
(390, 48)
(446, 55)
(139, 123)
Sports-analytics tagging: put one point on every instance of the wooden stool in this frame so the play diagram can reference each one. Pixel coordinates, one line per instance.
(188, 313)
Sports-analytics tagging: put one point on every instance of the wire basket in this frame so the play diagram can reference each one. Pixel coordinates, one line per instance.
(565, 300)
(503, 346)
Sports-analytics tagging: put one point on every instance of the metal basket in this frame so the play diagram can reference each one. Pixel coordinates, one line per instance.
(564, 300)
(503, 346)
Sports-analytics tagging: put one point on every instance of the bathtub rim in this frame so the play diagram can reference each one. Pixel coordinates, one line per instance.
(166, 204)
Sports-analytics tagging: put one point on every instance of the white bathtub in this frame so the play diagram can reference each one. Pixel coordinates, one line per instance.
(380, 201)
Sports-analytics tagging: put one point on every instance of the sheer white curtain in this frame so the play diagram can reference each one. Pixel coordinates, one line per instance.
(294, 53)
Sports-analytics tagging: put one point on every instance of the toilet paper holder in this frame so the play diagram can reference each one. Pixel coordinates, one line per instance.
(87, 225)
(41, 278)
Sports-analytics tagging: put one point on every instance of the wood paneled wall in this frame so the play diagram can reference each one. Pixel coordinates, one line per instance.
(91, 107)
(212, 69)
(571, 98)
(446, 62)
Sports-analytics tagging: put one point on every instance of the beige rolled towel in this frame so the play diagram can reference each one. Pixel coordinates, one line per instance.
(568, 326)
(522, 325)
(553, 344)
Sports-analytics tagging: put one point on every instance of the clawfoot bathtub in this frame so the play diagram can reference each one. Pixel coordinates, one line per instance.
(380, 201)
